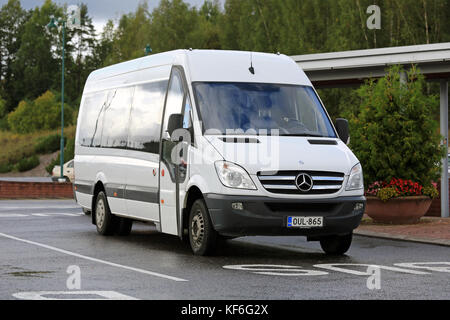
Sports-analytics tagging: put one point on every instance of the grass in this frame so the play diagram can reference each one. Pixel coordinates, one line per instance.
(16, 147)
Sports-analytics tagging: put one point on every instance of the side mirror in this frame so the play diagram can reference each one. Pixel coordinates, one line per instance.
(175, 122)
(343, 130)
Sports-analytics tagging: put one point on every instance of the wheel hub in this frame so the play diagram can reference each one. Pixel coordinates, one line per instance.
(197, 229)
(100, 213)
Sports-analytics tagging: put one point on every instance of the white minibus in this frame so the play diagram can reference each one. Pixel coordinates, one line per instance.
(210, 145)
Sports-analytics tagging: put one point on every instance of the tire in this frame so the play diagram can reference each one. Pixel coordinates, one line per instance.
(105, 221)
(124, 226)
(202, 236)
(336, 245)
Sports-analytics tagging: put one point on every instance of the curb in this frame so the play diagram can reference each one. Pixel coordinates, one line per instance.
(372, 234)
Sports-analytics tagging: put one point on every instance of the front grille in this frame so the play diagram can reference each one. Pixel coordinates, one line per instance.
(285, 182)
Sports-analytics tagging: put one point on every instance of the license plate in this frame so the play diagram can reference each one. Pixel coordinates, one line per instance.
(305, 222)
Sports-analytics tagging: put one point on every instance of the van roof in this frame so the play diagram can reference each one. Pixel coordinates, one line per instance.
(216, 66)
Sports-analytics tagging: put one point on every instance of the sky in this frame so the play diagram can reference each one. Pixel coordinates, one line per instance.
(102, 10)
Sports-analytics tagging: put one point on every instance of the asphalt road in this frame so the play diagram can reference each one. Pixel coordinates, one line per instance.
(49, 249)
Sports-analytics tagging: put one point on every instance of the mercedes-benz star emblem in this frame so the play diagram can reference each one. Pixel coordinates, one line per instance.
(304, 182)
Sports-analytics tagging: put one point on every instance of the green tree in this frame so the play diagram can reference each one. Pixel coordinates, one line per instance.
(81, 62)
(103, 48)
(393, 133)
(206, 34)
(44, 113)
(12, 19)
(37, 65)
(172, 24)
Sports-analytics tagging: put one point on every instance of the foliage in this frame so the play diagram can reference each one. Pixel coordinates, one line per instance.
(69, 153)
(27, 163)
(5, 168)
(31, 54)
(43, 113)
(48, 144)
(387, 193)
(3, 114)
(35, 67)
(430, 191)
(400, 188)
(394, 133)
(16, 147)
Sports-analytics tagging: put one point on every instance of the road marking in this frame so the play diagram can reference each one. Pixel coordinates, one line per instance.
(38, 207)
(12, 215)
(286, 270)
(334, 267)
(47, 214)
(432, 266)
(74, 254)
(41, 295)
(276, 270)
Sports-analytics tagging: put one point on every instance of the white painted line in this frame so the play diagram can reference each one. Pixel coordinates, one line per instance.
(337, 267)
(12, 215)
(38, 207)
(151, 273)
(41, 295)
(66, 214)
(47, 214)
(276, 270)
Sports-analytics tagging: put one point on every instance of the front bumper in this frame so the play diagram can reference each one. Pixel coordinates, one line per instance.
(268, 216)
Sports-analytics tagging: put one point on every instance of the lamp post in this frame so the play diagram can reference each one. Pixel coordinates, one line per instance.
(53, 24)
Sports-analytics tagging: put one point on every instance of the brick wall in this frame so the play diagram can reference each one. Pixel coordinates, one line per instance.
(34, 190)
(435, 208)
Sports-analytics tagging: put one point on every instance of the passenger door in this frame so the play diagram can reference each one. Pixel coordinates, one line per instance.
(174, 175)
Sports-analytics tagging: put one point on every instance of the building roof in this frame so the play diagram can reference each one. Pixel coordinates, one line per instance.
(352, 67)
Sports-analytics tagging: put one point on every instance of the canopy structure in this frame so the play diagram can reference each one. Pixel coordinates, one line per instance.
(347, 68)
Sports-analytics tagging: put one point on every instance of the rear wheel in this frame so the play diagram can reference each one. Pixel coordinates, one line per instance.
(337, 244)
(105, 221)
(202, 236)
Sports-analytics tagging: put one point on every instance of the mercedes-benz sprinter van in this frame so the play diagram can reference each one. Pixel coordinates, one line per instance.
(211, 144)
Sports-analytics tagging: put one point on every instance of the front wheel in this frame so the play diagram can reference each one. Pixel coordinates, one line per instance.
(202, 236)
(337, 244)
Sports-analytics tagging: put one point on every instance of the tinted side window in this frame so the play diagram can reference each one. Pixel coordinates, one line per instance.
(116, 118)
(92, 119)
(146, 117)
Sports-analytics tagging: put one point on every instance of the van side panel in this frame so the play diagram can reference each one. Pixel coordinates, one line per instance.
(117, 141)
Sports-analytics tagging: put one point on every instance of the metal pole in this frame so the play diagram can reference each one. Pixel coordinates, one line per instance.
(61, 160)
(444, 133)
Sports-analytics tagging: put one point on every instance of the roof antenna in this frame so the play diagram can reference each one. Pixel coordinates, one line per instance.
(251, 69)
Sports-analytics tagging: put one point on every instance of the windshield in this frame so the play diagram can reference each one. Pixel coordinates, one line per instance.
(239, 107)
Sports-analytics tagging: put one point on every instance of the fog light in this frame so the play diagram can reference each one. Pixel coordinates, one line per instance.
(237, 206)
(358, 208)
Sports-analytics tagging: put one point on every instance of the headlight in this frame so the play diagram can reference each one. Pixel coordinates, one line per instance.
(233, 176)
(355, 180)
